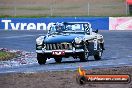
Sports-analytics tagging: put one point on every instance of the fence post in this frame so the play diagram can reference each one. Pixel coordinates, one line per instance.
(14, 7)
(127, 9)
(15, 11)
(88, 7)
(51, 10)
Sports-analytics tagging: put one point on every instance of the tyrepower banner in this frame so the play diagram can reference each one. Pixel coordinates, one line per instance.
(120, 23)
(101, 23)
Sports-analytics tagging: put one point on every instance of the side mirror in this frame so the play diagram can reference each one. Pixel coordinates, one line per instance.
(96, 31)
(48, 31)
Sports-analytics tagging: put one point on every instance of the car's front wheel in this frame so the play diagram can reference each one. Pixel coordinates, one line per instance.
(41, 59)
(58, 59)
(98, 55)
(84, 56)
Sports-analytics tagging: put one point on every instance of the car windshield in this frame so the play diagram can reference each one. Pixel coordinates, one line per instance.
(71, 27)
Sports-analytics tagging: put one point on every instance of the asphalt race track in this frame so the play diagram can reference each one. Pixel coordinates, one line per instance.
(118, 45)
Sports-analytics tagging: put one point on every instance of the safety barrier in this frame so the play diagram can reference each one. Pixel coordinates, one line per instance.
(120, 23)
(100, 23)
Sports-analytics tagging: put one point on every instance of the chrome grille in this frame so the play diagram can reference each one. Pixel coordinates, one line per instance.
(62, 46)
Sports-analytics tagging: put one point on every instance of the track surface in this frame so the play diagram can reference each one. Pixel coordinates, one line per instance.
(118, 51)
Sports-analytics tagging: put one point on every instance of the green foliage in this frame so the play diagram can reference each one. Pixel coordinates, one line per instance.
(6, 55)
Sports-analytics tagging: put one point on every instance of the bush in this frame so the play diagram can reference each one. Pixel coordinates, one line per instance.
(6, 55)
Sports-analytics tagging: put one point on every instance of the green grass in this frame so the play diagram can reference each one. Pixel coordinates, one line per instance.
(6, 55)
(24, 8)
(46, 15)
(6, 8)
(33, 8)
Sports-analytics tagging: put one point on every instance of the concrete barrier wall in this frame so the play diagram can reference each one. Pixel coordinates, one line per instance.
(101, 23)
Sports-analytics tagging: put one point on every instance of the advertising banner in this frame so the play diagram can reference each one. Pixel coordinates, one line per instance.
(120, 23)
(100, 23)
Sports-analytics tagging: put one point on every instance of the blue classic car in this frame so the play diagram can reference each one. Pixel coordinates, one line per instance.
(69, 39)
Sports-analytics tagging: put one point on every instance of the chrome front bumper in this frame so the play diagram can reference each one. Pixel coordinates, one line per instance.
(66, 51)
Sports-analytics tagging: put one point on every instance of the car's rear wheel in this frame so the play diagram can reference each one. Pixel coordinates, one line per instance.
(58, 59)
(41, 59)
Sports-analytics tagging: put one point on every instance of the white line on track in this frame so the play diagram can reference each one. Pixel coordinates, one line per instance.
(21, 36)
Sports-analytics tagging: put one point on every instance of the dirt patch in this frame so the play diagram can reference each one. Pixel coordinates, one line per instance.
(63, 79)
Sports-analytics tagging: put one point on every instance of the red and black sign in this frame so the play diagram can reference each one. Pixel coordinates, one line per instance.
(58, 53)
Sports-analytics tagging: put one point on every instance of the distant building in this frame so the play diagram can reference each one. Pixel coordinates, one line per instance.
(129, 3)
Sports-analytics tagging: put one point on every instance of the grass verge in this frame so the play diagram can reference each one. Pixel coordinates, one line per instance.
(44, 16)
(6, 55)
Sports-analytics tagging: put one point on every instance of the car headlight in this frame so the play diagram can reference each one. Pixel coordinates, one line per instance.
(39, 40)
(78, 40)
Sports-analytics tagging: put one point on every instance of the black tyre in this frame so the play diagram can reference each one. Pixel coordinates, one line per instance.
(58, 59)
(41, 59)
(98, 55)
(84, 56)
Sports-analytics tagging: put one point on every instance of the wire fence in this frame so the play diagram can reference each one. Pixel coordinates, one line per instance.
(64, 9)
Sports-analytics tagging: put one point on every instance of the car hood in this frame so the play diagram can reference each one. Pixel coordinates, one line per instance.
(60, 38)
